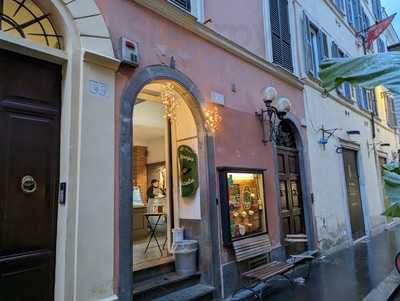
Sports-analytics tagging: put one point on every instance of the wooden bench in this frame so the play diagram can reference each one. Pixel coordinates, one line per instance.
(253, 247)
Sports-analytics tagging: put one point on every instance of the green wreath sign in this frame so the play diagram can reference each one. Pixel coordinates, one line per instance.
(188, 171)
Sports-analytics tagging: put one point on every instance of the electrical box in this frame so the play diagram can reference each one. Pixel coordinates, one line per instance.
(128, 52)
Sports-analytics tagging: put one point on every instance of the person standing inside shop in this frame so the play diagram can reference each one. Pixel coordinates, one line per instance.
(154, 190)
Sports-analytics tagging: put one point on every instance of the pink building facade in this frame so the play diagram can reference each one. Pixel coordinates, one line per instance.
(227, 56)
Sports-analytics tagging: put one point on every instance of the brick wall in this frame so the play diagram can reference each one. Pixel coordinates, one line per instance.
(139, 171)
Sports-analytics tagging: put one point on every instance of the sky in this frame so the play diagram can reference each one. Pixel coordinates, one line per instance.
(393, 6)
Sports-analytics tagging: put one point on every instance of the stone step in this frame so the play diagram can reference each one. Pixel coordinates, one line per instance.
(149, 273)
(161, 285)
(198, 292)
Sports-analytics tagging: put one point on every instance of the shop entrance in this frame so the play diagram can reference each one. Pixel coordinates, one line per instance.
(291, 201)
(162, 122)
(30, 106)
(353, 193)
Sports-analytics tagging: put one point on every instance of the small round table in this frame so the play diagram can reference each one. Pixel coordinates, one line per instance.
(153, 230)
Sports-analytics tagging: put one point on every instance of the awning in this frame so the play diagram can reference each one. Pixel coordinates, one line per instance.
(367, 71)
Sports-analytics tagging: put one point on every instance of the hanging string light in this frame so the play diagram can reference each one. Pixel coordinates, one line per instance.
(169, 101)
(212, 118)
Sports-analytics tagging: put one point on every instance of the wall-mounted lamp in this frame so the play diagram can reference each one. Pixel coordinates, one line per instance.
(275, 112)
(326, 135)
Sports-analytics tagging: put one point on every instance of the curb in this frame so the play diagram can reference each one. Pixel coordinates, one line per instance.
(385, 289)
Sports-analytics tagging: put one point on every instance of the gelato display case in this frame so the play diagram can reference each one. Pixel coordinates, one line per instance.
(242, 203)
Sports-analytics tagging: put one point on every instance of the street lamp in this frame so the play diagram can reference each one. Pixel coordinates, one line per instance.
(275, 111)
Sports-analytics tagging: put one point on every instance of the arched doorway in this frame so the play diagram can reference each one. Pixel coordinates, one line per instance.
(163, 125)
(289, 169)
(196, 213)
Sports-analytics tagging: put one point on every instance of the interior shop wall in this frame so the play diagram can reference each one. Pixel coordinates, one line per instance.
(186, 134)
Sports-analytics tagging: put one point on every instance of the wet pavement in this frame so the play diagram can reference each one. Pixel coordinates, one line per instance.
(350, 274)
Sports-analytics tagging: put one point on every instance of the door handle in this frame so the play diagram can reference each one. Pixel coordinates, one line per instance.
(28, 184)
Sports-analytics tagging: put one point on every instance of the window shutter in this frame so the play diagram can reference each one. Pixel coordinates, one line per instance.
(285, 32)
(185, 4)
(323, 40)
(377, 9)
(372, 101)
(307, 45)
(349, 12)
(357, 14)
(334, 50)
(381, 45)
(341, 5)
(281, 43)
(359, 96)
(365, 99)
(365, 20)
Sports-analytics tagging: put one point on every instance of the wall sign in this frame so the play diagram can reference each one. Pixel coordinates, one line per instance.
(188, 170)
(97, 88)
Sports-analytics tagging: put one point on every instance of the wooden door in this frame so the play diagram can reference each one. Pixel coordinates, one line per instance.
(353, 193)
(386, 201)
(292, 213)
(30, 92)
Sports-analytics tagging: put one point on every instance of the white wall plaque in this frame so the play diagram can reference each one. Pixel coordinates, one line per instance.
(218, 98)
(97, 88)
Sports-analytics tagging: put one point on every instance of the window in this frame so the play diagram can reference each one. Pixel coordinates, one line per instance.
(281, 43)
(345, 88)
(362, 98)
(194, 7)
(185, 4)
(339, 4)
(380, 45)
(26, 20)
(354, 15)
(390, 110)
(316, 45)
(372, 101)
(350, 12)
(242, 203)
(377, 9)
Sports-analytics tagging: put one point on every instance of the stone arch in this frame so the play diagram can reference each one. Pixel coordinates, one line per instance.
(89, 27)
(301, 146)
(208, 209)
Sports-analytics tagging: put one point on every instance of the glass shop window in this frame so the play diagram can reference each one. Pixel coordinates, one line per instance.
(242, 204)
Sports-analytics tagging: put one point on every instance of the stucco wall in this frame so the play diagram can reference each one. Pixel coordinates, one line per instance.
(328, 182)
(242, 21)
(238, 143)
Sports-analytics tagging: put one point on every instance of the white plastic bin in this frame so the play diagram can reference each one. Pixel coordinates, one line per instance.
(185, 252)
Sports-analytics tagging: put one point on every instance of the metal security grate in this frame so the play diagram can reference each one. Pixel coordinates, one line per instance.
(185, 4)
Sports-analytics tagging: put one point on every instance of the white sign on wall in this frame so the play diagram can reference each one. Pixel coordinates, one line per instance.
(218, 98)
(98, 88)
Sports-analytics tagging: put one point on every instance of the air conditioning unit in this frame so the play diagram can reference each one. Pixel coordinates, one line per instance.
(128, 52)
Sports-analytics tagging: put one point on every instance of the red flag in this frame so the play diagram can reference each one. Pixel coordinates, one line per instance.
(376, 30)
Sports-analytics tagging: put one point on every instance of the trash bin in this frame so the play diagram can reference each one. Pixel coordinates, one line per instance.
(185, 252)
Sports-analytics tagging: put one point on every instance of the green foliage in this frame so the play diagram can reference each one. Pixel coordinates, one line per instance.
(392, 211)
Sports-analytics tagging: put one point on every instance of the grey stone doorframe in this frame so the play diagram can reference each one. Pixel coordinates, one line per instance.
(305, 184)
(209, 223)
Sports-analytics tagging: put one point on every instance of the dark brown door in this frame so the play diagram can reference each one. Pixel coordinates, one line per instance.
(292, 213)
(29, 166)
(386, 201)
(353, 193)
